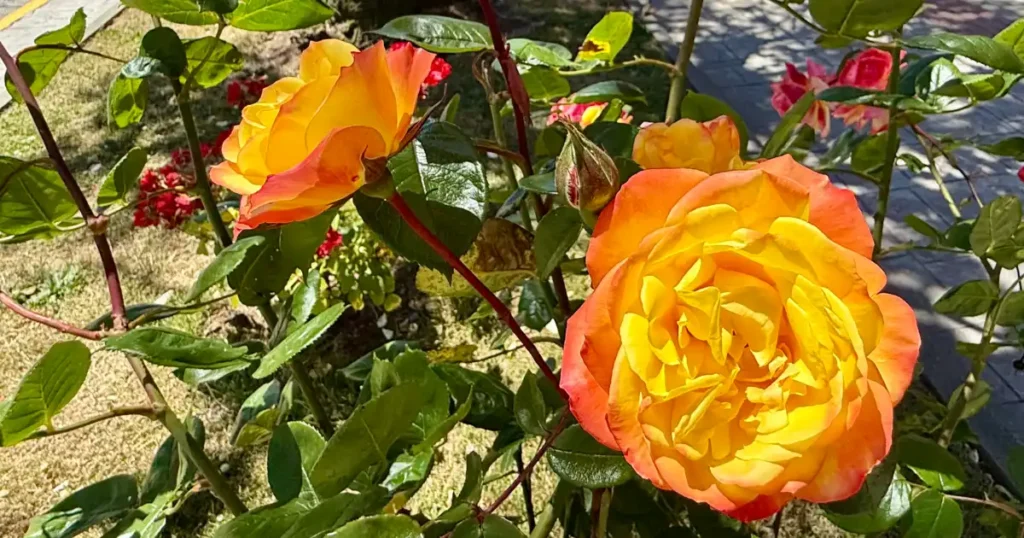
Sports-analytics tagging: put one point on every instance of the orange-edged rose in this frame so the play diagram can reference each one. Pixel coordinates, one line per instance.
(711, 147)
(737, 348)
(303, 146)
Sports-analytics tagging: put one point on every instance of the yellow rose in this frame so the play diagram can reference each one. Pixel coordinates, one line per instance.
(710, 147)
(304, 145)
(738, 348)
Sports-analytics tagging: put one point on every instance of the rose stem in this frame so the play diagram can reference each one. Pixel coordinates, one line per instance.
(299, 371)
(521, 110)
(531, 515)
(527, 469)
(600, 506)
(499, 307)
(97, 226)
(678, 88)
(892, 145)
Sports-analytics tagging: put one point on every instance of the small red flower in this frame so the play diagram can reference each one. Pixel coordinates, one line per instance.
(236, 95)
(331, 242)
(439, 68)
(1020, 174)
(181, 157)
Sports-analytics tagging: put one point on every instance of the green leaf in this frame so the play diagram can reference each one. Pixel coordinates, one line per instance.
(543, 183)
(147, 521)
(959, 235)
(996, 225)
(530, 52)
(266, 521)
(364, 439)
(557, 232)
(933, 515)
(789, 122)
(881, 502)
(163, 45)
(858, 18)
(266, 397)
(442, 165)
(455, 227)
(472, 487)
(443, 428)
(169, 347)
(211, 61)
(34, 200)
(972, 298)
(858, 96)
(580, 460)
(86, 507)
(1013, 36)
(548, 145)
(122, 178)
(278, 15)
(293, 451)
(492, 400)
(298, 340)
(868, 156)
(268, 266)
(702, 107)
(933, 464)
(51, 383)
(337, 511)
(127, 100)
(223, 265)
(530, 410)
(409, 469)
(305, 297)
(1015, 465)
(606, 90)
(439, 34)
(615, 138)
(544, 84)
(451, 110)
(492, 527)
(923, 228)
(1009, 147)
(179, 11)
(982, 87)
(980, 396)
(981, 49)
(384, 526)
(38, 66)
(536, 305)
(219, 6)
(607, 37)
(1011, 313)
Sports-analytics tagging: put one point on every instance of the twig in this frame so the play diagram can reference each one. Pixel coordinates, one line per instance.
(499, 307)
(531, 516)
(117, 306)
(670, 68)
(527, 469)
(951, 160)
(73, 49)
(61, 326)
(678, 88)
(892, 146)
(498, 148)
(850, 171)
(142, 410)
(938, 177)
(988, 502)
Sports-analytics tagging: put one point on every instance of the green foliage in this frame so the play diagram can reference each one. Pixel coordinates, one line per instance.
(223, 265)
(49, 386)
(615, 138)
(544, 84)
(166, 52)
(122, 178)
(439, 34)
(536, 305)
(491, 527)
(580, 460)
(259, 415)
(127, 100)
(934, 515)
(607, 38)
(530, 410)
(971, 298)
(493, 402)
(556, 234)
(539, 53)
(857, 18)
(170, 347)
(295, 342)
(881, 502)
(278, 15)
(178, 11)
(35, 202)
(39, 65)
(604, 91)
(980, 396)
(211, 61)
(981, 49)
(777, 143)
(933, 464)
(85, 508)
(294, 449)
(992, 234)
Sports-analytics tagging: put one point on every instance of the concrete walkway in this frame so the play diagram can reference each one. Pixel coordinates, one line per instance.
(743, 46)
(22, 20)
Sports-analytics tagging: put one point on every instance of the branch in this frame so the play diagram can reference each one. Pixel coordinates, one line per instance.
(527, 469)
(142, 410)
(61, 326)
(678, 89)
(74, 49)
(490, 146)
(951, 160)
(499, 307)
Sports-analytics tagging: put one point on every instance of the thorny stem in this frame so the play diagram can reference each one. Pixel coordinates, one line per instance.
(499, 307)
(142, 411)
(678, 89)
(600, 505)
(61, 326)
(938, 177)
(527, 469)
(892, 145)
(546, 522)
(531, 516)
(75, 49)
(951, 160)
(978, 362)
(117, 306)
(988, 502)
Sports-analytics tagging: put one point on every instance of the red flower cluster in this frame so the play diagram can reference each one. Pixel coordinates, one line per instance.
(331, 242)
(162, 201)
(245, 91)
(181, 158)
(867, 70)
(439, 68)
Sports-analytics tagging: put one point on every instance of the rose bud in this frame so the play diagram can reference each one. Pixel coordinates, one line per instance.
(585, 175)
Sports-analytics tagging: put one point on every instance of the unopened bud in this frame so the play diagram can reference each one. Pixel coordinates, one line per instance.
(585, 175)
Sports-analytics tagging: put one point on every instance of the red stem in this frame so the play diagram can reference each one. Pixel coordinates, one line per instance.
(499, 307)
(527, 469)
(61, 326)
(520, 99)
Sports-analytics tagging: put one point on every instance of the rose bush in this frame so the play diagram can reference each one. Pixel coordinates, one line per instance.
(737, 347)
